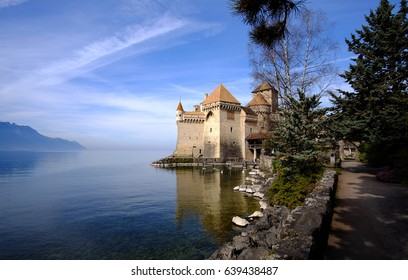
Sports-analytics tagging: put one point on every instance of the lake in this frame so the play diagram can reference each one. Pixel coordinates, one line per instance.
(114, 205)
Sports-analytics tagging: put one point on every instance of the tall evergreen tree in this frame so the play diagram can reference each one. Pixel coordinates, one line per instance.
(376, 112)
(298, 142)
(299, 138)
(268, 18)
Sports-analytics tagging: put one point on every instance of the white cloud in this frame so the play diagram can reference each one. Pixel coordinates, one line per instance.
(8, 3)
(130, 36)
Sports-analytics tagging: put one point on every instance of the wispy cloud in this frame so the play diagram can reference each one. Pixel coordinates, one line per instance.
(8, 3)
(130, 36)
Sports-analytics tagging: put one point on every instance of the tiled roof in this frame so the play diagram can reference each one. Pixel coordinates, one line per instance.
(262, 87)
(194, 113)
(258, 136)
(180, 107)
(258, 100)
(220, 94)
(248, 111)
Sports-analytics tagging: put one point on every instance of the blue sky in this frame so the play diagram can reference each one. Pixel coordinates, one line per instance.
(110, 73)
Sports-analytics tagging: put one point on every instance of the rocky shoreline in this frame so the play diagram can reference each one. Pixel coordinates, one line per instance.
(277, 232)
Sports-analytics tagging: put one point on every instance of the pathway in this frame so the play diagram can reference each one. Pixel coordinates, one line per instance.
(370, 218)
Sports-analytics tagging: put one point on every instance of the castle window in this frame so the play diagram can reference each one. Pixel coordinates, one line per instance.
(250, 130)
(210, 129)
(231, 129)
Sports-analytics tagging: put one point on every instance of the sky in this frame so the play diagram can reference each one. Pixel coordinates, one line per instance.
(109, 74)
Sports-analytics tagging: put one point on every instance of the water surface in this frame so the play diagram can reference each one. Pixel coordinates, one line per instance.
(114, 205)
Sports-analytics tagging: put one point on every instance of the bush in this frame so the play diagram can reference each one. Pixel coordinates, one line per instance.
(291, 193)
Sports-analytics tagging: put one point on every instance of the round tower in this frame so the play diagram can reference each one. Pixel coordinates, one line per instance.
(179, 112)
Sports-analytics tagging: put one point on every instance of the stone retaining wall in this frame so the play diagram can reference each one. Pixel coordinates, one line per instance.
(283, 233)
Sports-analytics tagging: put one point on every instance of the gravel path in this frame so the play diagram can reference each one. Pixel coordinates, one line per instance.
(370, 218)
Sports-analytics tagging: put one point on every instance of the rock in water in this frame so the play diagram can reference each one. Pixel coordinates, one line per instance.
(238, 221)
(263, 204)
(256, 214)
(259, 194)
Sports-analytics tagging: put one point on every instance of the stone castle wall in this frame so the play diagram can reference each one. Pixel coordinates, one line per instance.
(189, 139)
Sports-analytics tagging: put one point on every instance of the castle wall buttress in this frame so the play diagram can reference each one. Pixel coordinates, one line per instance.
(211, 133)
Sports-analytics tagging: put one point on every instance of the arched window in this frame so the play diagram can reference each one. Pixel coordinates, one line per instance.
(210, 115)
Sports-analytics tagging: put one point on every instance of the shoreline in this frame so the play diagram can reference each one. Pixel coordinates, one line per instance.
(282, 233)
(275, 232)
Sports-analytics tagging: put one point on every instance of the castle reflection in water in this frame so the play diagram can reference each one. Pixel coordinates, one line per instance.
(208, 195)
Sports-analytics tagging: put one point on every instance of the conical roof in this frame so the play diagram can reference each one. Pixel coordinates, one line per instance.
(262, 87)
(180, 107)
(258, 100)
(220, 94)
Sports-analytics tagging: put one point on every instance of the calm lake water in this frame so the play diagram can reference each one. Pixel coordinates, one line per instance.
(114, 205)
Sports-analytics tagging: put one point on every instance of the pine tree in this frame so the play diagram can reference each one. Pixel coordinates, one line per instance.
(268, 18)
(298, 142)
(376, 112)
(299, 138)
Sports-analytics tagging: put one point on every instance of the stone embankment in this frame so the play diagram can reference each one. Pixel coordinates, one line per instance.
(282, 233)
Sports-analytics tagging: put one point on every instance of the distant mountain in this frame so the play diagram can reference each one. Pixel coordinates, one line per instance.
(15, 137)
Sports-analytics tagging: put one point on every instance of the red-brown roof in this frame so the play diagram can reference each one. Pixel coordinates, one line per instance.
(180, 107)
(220, 94)
(262, 87)
(258, 100)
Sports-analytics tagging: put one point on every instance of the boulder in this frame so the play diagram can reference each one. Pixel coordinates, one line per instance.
(256, 214)
(259, 194)
(250, 190)
(263, 204)
(254, 253)
(238, 221)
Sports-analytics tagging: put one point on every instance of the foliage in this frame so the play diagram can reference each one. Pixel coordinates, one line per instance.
(376, 112)
(268, 18)
(300, 137)
(298, 143)
(302, 60)
(290, 193)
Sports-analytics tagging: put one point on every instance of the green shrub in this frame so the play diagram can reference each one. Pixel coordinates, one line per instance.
(291, 193)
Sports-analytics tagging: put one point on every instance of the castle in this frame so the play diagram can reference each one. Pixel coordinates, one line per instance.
(220, 129)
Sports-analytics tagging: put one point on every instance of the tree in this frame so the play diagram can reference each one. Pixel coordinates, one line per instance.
(268, 18)
(302, 60)
(376, 112)
(299, 145)
(299, 138)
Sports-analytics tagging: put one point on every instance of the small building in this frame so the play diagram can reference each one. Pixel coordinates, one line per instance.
(221, 129)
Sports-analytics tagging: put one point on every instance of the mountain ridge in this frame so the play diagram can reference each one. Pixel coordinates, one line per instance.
(14, 137)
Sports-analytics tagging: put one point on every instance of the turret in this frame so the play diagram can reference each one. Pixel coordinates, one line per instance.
(179, 112)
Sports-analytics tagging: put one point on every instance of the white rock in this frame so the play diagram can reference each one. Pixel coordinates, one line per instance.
(252, 173)
(249, 190)
(263, 204)
(259, 194)
(242, 188)
(256, 214)
(238, 221)
(236, 188)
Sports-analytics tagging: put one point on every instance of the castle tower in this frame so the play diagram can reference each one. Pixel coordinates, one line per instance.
(269, 93)
(179, 112)
(263, 109)
(222, 129)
